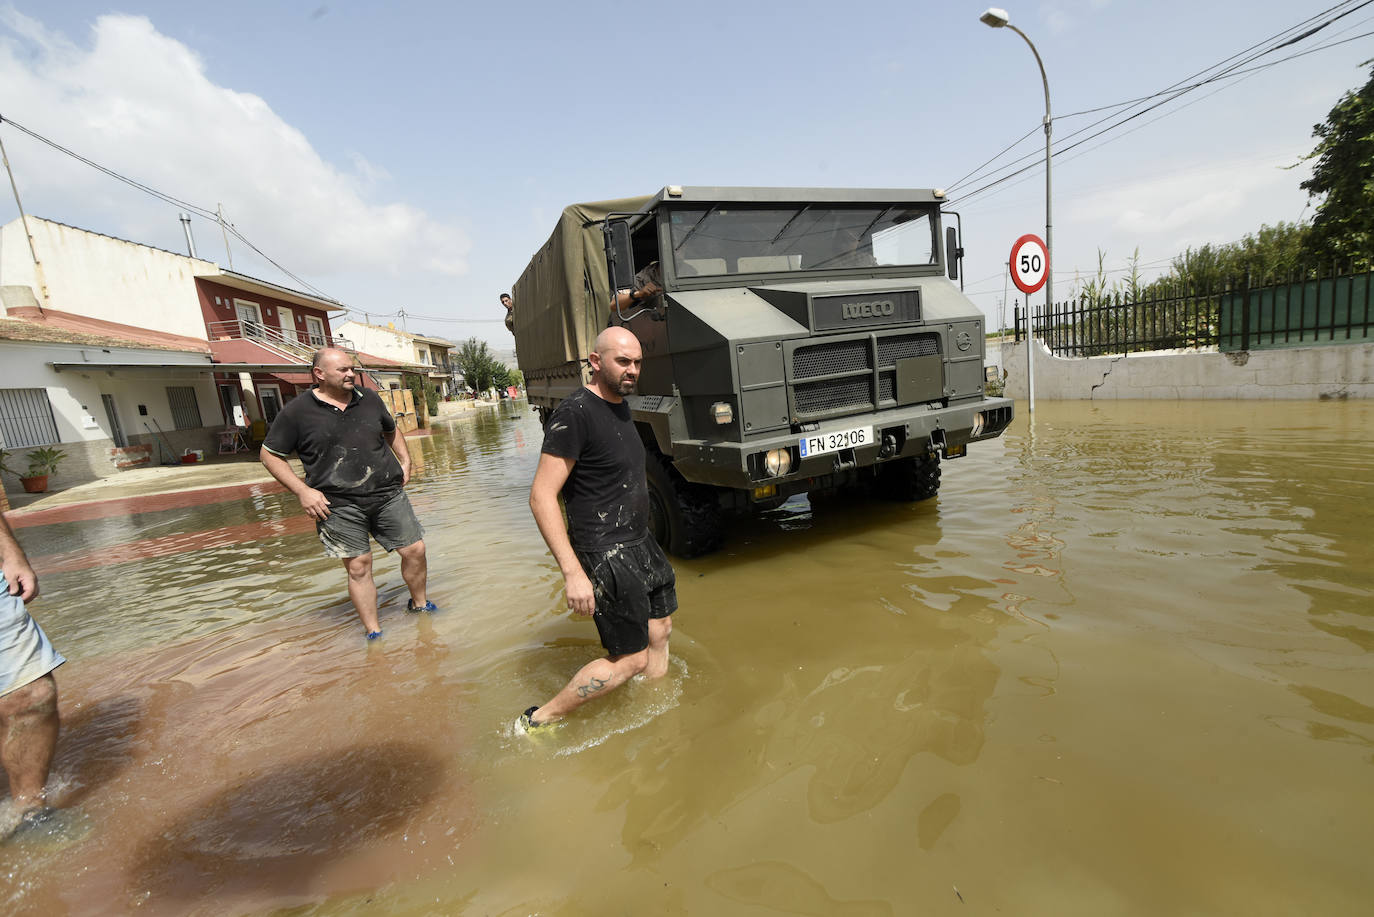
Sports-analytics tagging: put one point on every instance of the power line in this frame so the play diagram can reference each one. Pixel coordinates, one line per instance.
(203, 212)
(1230, 69)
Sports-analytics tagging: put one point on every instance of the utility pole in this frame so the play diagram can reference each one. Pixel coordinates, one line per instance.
(33, 252)
(219, 212)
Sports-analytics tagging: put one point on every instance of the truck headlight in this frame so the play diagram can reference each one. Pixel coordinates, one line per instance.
(722, 412)
(777, 462)
(977, 424)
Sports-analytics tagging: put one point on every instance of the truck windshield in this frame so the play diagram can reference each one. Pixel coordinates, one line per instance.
(765, 238)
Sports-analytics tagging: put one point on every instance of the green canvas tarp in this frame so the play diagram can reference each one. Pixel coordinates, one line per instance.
(562, 300)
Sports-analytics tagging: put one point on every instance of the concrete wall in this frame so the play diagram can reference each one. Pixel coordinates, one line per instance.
(82, 426)
(1343, 371)
(381, 342)
(106, 278)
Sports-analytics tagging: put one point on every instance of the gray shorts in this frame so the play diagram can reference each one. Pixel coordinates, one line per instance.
(25, 653)
(345, 533)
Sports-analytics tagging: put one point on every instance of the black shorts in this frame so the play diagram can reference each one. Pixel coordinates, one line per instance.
(631, 583)
(347, 530)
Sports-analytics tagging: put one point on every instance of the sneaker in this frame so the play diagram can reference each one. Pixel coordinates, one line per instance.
(373, 634)
(527, 726)
(428, 606)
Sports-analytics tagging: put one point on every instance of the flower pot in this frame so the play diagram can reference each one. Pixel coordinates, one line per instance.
(35, 485)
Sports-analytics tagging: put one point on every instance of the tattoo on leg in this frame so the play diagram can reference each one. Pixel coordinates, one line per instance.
(593, 685)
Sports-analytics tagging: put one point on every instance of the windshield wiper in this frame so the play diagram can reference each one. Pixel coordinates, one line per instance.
(875, 221)
(695, 226)
(788, 224)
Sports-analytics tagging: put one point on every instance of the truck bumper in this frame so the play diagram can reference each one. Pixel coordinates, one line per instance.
(897, 434)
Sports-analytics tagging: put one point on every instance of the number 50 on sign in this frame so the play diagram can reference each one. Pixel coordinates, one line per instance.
(1030, 263)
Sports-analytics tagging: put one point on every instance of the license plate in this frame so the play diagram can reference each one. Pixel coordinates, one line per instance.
(835, 440)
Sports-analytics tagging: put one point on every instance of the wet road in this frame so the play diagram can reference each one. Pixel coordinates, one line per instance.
(1122, 665)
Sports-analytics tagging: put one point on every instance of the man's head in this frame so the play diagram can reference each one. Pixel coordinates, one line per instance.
(615, 363)
(506, 301)
(333, 370)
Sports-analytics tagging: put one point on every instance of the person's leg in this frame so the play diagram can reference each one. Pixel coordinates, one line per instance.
(28, 738)
(598, 677)
(659, 631)
(396, 528)
(662, 585)
(415, 571)
(362, 590)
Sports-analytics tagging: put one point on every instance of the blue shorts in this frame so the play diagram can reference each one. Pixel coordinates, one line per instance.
(25, 653)
(349, 526)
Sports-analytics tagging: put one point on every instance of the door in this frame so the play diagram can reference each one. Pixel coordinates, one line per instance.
(316, 329)
(270, 396)
(232, 401)
(288, 324)
(250, 317)
(116, 428)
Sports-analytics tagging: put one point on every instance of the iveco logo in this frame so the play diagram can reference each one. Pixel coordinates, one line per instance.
(876, 309)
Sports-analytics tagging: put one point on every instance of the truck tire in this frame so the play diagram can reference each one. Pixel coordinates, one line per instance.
(685, 519)
(910, 479)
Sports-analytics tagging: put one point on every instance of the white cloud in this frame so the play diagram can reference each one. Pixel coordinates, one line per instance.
(1191, 203)
(142, 104)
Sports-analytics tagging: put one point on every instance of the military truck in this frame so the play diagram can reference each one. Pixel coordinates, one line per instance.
(805, 341)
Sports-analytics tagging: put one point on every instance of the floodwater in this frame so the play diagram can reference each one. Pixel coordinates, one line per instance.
(1121, 665)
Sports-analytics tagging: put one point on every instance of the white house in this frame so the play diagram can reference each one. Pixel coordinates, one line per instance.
(109, 345)
(404, 347)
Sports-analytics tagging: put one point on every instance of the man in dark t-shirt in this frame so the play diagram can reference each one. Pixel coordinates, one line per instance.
(356, 468)
(612, 568)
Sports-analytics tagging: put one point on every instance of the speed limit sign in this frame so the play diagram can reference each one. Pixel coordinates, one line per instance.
(1030, 263)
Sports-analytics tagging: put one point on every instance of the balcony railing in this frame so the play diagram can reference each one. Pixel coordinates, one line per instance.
(294, 343)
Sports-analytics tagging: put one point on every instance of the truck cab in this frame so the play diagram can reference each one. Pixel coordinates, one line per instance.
(804, 340)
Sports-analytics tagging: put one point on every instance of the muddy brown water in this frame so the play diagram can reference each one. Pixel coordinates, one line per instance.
(1121, 665)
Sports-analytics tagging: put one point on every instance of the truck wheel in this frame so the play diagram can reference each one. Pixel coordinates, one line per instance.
(685, 519)
(909, 479)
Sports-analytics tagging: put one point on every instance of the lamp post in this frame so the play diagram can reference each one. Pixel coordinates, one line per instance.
(998, 19)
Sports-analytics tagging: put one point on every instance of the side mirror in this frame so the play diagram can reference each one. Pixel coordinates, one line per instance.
(953, 253)
(620, 260)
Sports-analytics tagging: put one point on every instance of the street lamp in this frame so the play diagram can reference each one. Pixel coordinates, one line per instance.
(998, 19)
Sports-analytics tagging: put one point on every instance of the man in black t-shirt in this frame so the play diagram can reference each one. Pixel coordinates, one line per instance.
(612, 568)
(356, 468)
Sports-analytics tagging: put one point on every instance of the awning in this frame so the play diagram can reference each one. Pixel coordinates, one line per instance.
(267, 288)
(294, 378)
(270, 368)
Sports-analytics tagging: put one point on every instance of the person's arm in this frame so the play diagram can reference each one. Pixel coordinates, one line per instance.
(397, 441)
(624, 299)
(22, 581)
(549, 478)
(315, 504)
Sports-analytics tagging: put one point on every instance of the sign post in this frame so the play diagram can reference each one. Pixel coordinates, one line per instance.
(1030, 268)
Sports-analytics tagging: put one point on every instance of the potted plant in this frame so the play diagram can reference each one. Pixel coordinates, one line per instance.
(42, 462)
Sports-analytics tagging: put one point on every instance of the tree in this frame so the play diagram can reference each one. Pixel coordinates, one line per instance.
(500, 377)
(478, 366)
(1344, 178)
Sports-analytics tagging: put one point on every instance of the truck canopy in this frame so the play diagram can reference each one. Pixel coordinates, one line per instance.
(562, 300)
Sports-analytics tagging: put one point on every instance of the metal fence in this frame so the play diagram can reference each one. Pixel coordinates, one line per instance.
(1303, 309)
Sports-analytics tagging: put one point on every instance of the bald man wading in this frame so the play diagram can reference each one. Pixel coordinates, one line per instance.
(612, 568)
(356, 468)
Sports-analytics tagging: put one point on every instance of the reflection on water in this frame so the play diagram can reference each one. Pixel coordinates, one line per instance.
(1121, 665)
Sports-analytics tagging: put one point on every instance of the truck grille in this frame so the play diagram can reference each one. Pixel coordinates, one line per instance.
(836, 377)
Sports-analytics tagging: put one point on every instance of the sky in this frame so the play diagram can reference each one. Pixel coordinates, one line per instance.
(411, 159)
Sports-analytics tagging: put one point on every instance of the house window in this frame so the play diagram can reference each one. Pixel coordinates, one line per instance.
(249, 315)
(185, 409)
(26, 418)
(315, 328)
